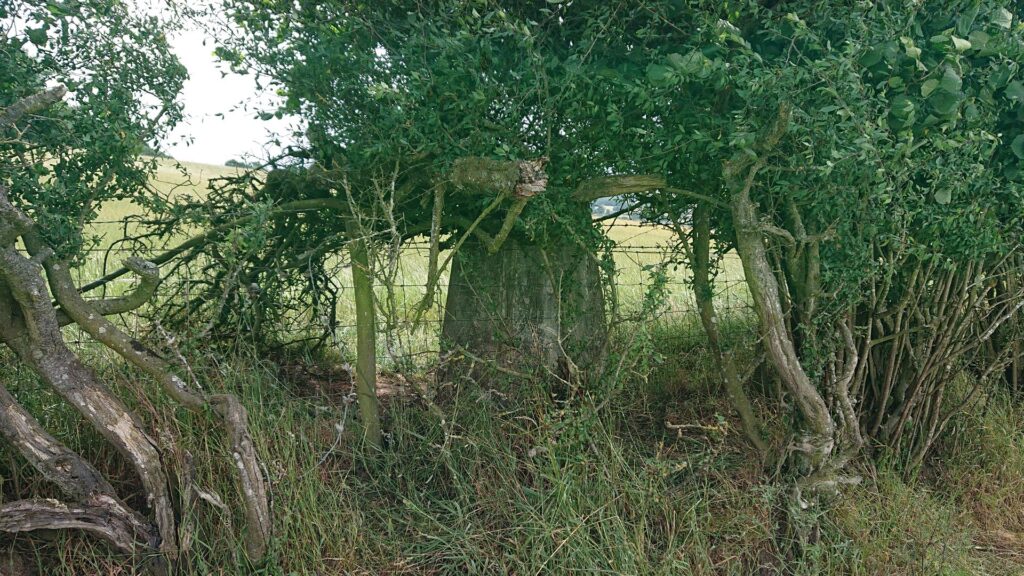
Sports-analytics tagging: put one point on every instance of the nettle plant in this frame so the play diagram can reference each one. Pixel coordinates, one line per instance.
(85, 85)
(864, 162)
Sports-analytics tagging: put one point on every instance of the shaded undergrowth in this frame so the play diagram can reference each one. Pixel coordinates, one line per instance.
(513, 480)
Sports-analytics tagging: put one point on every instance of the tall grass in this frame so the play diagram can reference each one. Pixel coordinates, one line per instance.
(513, 481)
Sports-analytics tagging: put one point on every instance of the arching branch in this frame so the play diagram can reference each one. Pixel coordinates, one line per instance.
(149, 280)
(30, 105)
(607, 186)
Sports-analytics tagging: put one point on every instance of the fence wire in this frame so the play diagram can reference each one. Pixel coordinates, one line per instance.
(633, 279)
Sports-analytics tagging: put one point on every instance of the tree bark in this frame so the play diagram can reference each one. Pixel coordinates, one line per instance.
(34, 335)
(527, 307)
(781, 350)
(366, 339)
(227, 407)
(74, 476)
(818, 442)
(704, 296)
(101, 516)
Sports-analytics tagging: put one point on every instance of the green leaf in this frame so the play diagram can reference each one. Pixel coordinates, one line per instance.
(944, 102)
(979, 39)
(941, 42)
(1000, 77)
(967, 18)
(1015, 91)
(659, 73)
(1017, 146)
(902, 107)
(871, 57)
(912, 50)
(971, 113)
(693, 63)
(678, 60)
(1002, 18)
(944, 195)
(960, 44)
(929, 86)
(37, 36)
(951, 81)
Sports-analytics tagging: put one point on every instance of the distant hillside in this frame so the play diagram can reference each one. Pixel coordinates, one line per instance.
(606, 206)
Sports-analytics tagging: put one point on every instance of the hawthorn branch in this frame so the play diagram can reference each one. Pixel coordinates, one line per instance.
(149, 280)
(44, 349)
(199, 240)
(30, 105)
(740, 173)
(12, 222)
(230, 410)
(606, 186)
(101, 516)
(74, 475)
(34, 335)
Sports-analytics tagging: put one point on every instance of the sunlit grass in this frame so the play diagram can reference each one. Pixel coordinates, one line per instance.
(640, 251)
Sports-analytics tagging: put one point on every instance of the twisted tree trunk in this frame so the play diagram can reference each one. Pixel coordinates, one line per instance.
(816, 446)
(818, 441)
(30, 327)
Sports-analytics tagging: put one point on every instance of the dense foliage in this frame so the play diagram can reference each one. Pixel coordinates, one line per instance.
(864, 161)
(871, 154)
(122, 82)
(896, 176)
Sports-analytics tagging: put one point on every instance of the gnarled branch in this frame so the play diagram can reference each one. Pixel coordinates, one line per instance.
(34, 335)
(617, 185)
(101, 516)
(149, 280)
(228, 408)
(30, 105)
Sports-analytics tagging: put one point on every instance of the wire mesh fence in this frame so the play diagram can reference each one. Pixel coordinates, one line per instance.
(402, 290)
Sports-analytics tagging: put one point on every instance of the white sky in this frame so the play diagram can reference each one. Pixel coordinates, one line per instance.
(211, 139)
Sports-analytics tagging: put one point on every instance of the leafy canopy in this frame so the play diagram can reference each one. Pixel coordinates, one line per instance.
(905, 132)
(122, 82)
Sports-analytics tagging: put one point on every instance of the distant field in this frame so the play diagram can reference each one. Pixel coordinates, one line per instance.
(639, 248)
(171, 179)
(194, 177)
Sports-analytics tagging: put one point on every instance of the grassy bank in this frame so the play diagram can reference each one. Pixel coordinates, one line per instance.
(515, 482)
